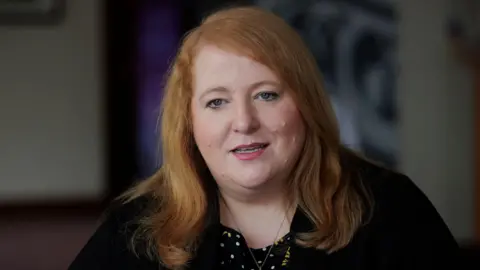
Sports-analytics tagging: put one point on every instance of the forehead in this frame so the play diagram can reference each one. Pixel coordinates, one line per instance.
(215, 67)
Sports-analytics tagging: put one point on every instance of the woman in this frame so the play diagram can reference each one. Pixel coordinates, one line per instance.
(254, 175)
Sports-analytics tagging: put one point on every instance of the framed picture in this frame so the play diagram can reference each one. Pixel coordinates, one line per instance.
(13, 12)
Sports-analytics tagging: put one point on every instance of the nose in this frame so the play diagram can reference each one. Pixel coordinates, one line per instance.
(245, 119)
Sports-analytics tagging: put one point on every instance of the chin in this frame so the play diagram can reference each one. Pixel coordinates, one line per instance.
(251, 181)
(251, 185)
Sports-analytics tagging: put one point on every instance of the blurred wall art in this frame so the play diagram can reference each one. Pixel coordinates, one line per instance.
(354, 43)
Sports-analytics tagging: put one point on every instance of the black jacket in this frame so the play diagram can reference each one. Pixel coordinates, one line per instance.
(405, 232)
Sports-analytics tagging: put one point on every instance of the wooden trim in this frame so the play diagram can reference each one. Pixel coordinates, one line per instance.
(477, 150)
(54, 208)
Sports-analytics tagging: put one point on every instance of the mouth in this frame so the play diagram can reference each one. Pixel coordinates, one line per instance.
(250, 148)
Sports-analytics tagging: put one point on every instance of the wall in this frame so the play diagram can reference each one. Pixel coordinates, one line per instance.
(51, 139)
(436, 104)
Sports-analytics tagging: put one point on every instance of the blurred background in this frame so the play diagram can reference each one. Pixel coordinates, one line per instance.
(81, 82)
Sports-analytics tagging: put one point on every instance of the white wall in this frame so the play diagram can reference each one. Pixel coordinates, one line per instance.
(436, 105)
(51, 130)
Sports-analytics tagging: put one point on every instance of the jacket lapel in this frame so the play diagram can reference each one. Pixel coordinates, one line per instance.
(206, 256)
(305, 258)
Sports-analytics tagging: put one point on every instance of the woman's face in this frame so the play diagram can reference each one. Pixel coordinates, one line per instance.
(246, 125)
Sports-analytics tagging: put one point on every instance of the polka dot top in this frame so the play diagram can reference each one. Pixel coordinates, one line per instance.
(234, 254)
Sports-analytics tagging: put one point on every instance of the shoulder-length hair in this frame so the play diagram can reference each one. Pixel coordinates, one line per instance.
(321, 185)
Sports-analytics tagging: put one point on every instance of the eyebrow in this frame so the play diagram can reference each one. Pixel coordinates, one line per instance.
(221, 89)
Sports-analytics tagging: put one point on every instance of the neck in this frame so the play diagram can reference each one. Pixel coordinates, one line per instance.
(263, 196)
(260, 219)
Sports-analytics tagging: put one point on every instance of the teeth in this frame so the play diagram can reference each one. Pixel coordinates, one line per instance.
(248, 150)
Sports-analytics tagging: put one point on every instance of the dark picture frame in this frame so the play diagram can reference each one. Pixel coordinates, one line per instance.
(32, 12)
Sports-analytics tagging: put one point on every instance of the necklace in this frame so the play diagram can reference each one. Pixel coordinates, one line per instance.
(249, 249)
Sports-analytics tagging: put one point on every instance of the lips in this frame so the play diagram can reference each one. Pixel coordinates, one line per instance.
(249, 148)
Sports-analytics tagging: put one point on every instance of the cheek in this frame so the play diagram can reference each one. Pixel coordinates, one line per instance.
(292, 129)
(292, 136)
(289, 124)
(203, 134)
(208, 133)
(201, 129)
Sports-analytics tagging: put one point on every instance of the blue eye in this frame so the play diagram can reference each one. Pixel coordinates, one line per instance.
(267, 96)
(215, 103)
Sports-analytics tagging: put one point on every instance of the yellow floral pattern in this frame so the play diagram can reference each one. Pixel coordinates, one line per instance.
(286, 257)
(234, 252)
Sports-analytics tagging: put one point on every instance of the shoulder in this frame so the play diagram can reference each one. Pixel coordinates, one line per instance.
(395, 195)
(389, 189)
(405, 225)
(109, 246)
(388, 186)
(126, 214)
